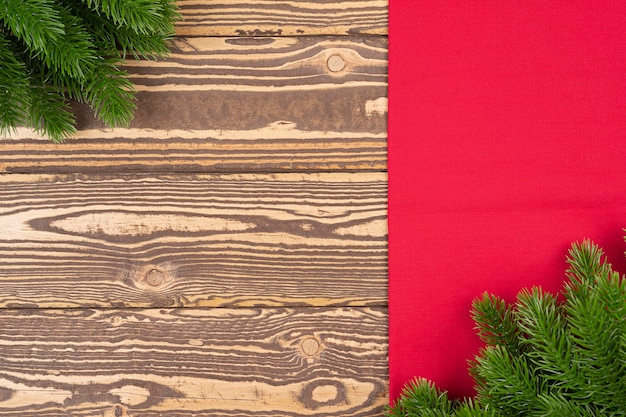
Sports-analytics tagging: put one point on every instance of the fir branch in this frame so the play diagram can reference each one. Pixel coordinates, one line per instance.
(36, 22)
(53, 50)
(119, 41)
(110, 94)
(421, 398)
(142, 16)
(598, 334)
(153, 46)
(511, 386)
(585, 263)
(546, 334)
(495, 323)
(39, 105)
(471, 408)
(50, 113)
(65, 47)
(14, 89)
(75, 54)
(496, 326)
(556, 405)
(596, 307)
(572, 356)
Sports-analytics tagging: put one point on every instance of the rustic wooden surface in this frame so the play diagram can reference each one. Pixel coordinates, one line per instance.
(282, 17)
(224, 255)
(212, 240)
(235, 105)
(188, 362)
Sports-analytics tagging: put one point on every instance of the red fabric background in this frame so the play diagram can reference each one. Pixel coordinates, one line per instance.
(507, 141)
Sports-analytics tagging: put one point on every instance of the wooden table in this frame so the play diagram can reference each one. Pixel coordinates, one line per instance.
(227, 253)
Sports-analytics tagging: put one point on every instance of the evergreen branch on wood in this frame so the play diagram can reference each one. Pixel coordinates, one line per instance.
(120, 40)
(64, 46)
(35, 22)
(110, 94)
(14, 88)
(142, 16)
(54, 50)
(50, 113)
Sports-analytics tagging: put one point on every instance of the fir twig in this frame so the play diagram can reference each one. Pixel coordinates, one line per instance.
(495, 323)
(54, 50)
(50, 113)
(421, 398)
(596, 307)
(36, 22)
(110, 94)
(14, 89)
(545, 332)
(511, 384)
(143, 16)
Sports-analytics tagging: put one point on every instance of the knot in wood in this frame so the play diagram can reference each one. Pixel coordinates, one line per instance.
(310, 346)
(323, 393)
(154, 277)
(117, 411)
(336, 63)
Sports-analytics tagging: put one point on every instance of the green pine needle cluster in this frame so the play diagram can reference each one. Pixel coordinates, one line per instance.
(55, 50)
(545, 355)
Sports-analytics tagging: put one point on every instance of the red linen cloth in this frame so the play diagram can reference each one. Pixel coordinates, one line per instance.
(507, 141)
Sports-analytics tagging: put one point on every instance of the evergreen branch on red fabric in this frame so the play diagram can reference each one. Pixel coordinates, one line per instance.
(544, 355)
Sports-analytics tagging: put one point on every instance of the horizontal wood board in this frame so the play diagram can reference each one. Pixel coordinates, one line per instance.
(212, 240)
(189, 362)
(234, 105)
(282, 18)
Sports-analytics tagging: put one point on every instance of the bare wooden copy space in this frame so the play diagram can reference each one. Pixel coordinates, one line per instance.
(227, 253)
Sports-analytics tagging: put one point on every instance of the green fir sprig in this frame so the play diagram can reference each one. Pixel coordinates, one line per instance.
(544, 355)
(55, 50)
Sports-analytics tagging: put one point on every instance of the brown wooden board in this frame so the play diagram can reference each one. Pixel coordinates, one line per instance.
(212, 240)
(282, 17)
(235, 105)
(189, 362)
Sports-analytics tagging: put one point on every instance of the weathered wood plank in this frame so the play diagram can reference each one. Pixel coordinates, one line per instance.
(233, 105)
(184, 362)
(279, 17)
(229, 240)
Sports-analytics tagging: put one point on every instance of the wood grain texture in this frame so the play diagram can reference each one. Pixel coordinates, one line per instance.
(234, 105)
(188, 362)
(213, 240)
(279, 17)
